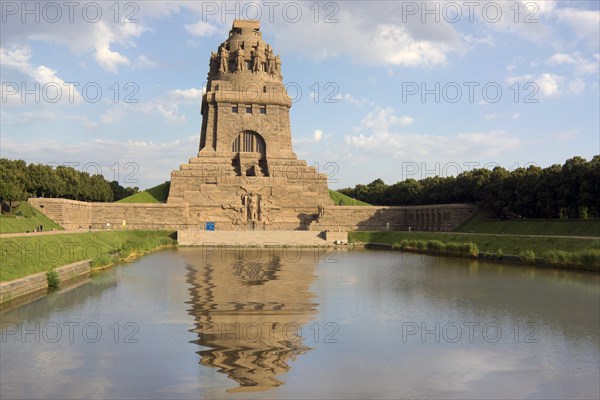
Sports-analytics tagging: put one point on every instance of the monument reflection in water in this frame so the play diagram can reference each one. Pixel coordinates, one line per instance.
(249, 307)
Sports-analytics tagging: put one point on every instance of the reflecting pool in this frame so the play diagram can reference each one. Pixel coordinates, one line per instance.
(302, 323)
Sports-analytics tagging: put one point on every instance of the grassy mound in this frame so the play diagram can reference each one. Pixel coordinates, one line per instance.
(156, 194)
(483, 222)
(25, 218)
(346, 201)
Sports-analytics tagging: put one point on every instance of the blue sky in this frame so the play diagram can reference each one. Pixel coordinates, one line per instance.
(387, 89)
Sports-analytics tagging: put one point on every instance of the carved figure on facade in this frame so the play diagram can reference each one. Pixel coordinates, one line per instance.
(321, 211)
(253, 206)
(240, 62)
(277, 71)
(258, 58)
(214, 63)
(224, 57)
(270, 60)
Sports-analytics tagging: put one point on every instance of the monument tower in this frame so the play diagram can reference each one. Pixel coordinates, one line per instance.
(246, 174)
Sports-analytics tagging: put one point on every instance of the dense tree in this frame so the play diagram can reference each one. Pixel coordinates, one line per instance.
(18, 181)
(568, 191)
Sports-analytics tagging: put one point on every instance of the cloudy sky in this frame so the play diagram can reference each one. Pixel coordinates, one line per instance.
(387, 89)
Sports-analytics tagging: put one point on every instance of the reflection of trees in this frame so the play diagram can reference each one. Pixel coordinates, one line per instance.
(249, 313)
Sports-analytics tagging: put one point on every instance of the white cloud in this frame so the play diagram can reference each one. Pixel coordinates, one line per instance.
(375, 134)
(200, 28)
(106, 58)
(168, 104)
(186, 95)
(577, 86)
(317, 135)
(406, 120)
(371, 36)
(549, 85)
(112, 116)
(585, 23)
(145, 62)
(487, 40)
(491, 116)
(347, 98)
(581, 64)
(565, 136)
(79, 35)
(87, 123)
(17, 58)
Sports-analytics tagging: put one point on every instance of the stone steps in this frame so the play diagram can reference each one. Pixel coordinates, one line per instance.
(251, 238)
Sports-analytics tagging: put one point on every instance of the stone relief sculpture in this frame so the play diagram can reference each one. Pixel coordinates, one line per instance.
(270, 60)
(213, 63)
(277, 66)
(258, 58)
(321, 211)
(240, 62)
(253, 206)
(224, 65)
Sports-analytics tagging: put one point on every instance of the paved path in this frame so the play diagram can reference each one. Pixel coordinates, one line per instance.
(236, 233)
(44, 233)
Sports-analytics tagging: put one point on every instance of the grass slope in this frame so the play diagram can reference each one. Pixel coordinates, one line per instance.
(483, 222)
(26, 255)
(28, 220)
(156, 194)
(348, 201)
(514, 245)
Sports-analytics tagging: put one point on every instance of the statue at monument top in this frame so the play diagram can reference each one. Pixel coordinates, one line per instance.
(245, 52)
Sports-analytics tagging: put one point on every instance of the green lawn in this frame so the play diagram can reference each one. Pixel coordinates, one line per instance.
(348, 201)
(156, 194)
(27, 255)
(26, 218)
(513, 245)
(482, 222)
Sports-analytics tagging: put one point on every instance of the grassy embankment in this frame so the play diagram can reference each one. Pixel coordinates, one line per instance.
(159, 194)
(497, 239)
(483, 222)
(25, 255)
(25, 218)
(156, 194)
(346, 200)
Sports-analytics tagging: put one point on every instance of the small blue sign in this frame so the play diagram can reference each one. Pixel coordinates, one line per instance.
(210, 226)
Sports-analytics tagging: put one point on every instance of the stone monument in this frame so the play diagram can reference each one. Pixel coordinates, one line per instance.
(246, 175)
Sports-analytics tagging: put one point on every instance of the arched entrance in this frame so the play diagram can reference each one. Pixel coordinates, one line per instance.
(250, 154)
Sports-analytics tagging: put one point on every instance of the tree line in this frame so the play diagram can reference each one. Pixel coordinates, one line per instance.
(571, 190)
(19, 181)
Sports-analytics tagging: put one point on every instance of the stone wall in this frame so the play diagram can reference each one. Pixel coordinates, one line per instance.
(182, 216)
(439, 218)
(11, 291)
(71, 214)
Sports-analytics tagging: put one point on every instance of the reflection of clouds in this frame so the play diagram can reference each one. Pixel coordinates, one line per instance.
(351, 280)
(56, 375)
(458, 370)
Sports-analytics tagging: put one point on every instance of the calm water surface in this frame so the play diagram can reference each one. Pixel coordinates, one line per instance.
(185, 324)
